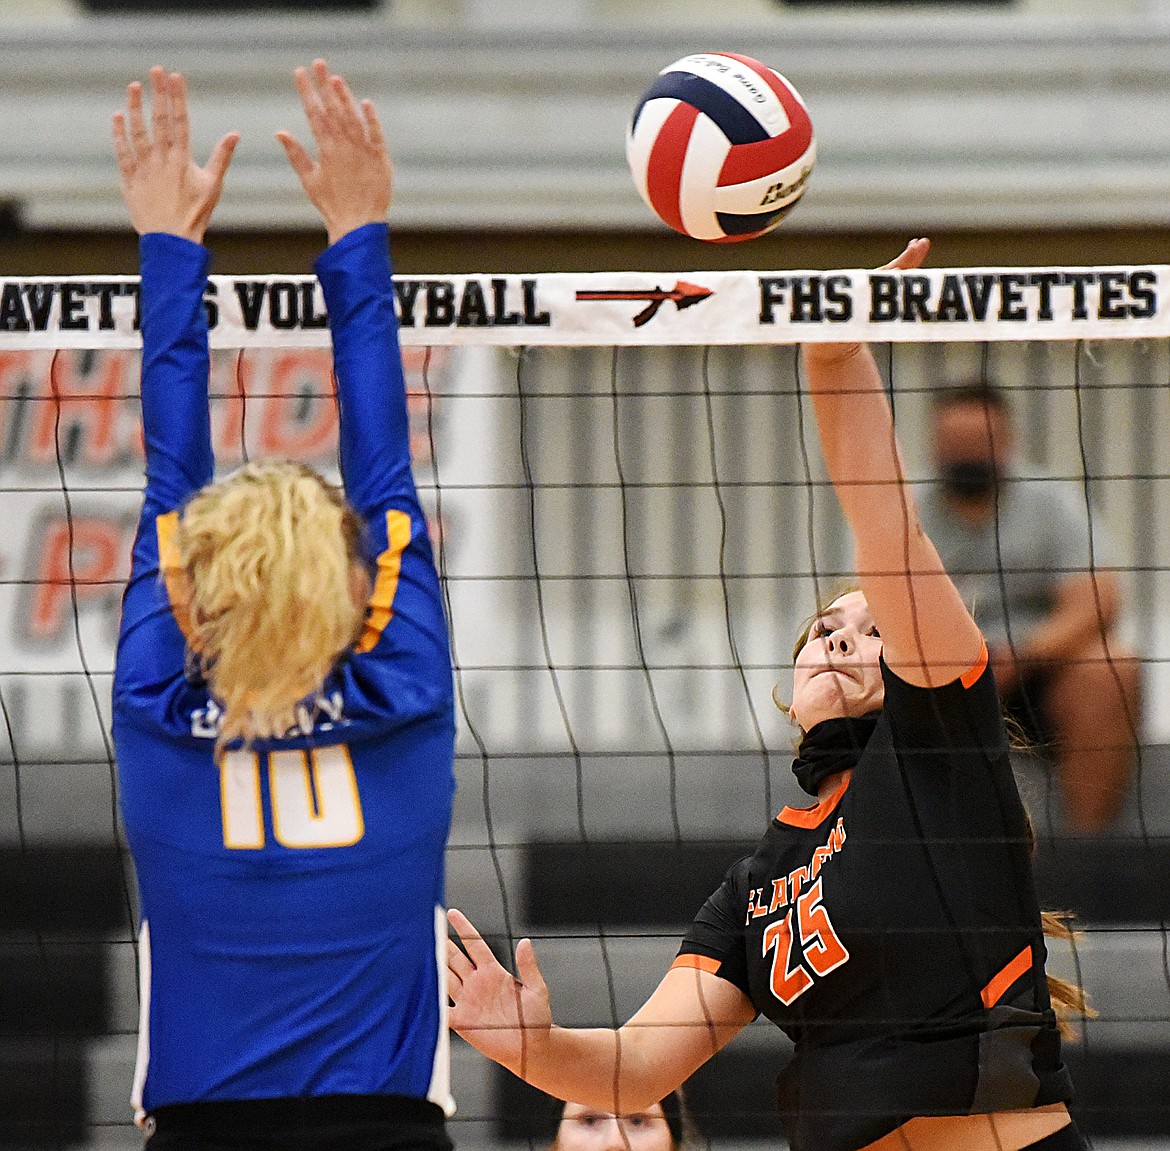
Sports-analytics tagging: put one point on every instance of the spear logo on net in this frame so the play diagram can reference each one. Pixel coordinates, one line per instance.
(683, 295)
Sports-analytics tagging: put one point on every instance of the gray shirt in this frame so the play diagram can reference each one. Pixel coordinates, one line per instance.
(1039, 537)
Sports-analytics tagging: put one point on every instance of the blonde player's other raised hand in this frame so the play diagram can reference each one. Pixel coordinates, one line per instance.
(165, 190)
(351, 180)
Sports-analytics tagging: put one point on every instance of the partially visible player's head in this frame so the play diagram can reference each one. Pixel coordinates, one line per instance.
(663, 1127)
(835, 671)
(277, 590)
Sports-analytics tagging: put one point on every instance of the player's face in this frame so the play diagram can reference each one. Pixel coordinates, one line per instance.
(836, 673)
(587, 1129)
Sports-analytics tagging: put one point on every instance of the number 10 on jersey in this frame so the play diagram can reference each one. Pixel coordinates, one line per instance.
(314, 798)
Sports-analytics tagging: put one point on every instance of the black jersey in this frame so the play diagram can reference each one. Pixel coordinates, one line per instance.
(893, 931)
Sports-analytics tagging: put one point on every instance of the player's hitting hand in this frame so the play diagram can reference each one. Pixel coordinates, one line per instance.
(911, 257)
(500, 1016)
(350, 181)
(165, 190)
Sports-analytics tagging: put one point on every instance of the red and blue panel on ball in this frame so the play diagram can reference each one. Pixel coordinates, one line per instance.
(721, 146)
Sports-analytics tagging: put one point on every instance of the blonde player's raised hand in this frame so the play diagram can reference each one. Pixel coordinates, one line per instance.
(350, 182)
(165, 190)
(500, 1016)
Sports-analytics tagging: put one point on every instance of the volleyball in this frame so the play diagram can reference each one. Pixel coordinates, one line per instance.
(721, 147)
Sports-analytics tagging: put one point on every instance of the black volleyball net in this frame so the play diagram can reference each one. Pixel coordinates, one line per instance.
(632, 522)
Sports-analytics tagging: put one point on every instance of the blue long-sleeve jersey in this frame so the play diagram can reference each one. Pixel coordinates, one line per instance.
(291, 892)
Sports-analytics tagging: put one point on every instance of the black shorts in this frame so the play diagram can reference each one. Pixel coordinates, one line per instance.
(319, 1123)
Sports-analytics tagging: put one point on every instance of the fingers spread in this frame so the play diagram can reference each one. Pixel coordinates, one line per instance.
(321, 82)
(301, 161)
(477, 950)
(180, 120)
(457, 963)
(222, 154)
(122, 150)
(373, 124)
(326, 97)
(310, 101)
(526, 965)
(138, 134)
(160, 106)
(348, 114)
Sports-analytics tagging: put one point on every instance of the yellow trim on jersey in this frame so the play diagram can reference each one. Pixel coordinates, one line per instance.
(398, 531)
(166, 528)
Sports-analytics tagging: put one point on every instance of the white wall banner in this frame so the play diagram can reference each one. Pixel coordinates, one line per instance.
(631, 308)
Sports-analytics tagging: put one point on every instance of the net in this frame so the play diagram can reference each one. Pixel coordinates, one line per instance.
(632, 523)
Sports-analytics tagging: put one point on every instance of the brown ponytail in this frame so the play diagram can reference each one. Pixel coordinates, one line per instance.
(1068, 1000)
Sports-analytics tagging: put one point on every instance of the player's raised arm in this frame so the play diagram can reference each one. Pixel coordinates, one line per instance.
(350, 183)
(170, 199)
(689, 1018)
(928, 635)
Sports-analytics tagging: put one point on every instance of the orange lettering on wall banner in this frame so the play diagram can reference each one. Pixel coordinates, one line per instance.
(101, 547)
(78, 412)
(274, 403)
(15, 368)
(100, 565)
(300, 412)
(229, 388)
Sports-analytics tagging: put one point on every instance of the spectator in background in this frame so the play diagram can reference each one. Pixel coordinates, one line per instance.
(666, 1126)
(1031, 562)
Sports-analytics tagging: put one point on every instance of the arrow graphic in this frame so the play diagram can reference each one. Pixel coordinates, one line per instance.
(683, 295)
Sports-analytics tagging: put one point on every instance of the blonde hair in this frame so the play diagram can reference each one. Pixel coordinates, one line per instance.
(269, 554)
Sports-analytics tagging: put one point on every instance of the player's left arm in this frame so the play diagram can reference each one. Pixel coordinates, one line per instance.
(928, 635)
(688, 1019)
(350, 183)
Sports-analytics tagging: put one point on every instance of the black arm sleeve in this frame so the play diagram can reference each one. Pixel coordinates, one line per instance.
(717, 933)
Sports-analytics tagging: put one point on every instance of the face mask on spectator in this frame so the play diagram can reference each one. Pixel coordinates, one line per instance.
(969, 479)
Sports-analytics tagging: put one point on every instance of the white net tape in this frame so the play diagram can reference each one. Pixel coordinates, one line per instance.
(633, 308)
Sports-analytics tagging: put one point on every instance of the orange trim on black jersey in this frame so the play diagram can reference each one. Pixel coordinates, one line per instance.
(815, 816)
(996, 989)
(972, 676)
(698, 962)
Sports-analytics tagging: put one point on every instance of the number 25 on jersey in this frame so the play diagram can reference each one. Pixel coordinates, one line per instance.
(818, 947)
(314, 797)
